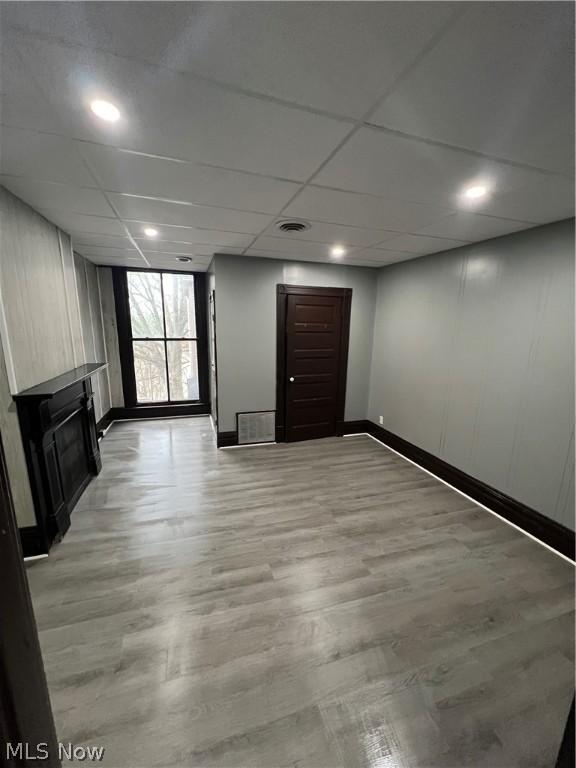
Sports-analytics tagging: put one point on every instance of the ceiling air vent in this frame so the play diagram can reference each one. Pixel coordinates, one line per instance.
(292, 226)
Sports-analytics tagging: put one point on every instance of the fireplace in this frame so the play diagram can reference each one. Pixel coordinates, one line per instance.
(60, 442)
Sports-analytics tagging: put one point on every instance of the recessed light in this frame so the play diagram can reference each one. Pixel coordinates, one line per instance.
(150, 232)
(338, 251)
(105, 110)
(475, 192)
(185, 259)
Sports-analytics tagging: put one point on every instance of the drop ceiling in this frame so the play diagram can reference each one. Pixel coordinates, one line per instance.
(365, 119)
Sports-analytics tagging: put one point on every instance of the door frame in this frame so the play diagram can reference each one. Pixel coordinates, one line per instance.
(282, 292)
(25, 709)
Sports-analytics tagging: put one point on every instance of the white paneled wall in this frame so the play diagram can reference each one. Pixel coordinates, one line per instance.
(473, 361)
(50, 322)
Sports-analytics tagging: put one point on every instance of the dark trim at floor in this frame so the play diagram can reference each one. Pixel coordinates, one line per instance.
(32, 540)
(151, 412)
(226, 439)
(566, 753)
(550, 532)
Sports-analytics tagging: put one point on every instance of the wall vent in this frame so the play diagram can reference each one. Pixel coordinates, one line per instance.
(256, 427)
(292, 226)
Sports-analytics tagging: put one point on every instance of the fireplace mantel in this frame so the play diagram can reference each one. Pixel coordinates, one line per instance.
(60, 442)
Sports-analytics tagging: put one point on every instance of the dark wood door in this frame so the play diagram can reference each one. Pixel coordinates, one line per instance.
(25, 711)
(316, 325)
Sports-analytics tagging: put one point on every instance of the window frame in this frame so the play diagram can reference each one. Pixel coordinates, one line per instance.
(126, 338)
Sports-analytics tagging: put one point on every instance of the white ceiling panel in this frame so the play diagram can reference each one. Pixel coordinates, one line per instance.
(501, 81)
(362, 210)
(198, 264)
(119, 254)
(99, 240)
(78, 222)
(24, 103)
(406, 169)
(171, 234)
(50, 194)
(381, 256)
(170, 114)
(298, 247)
(472, 227)
(141, 30)
(338, 57)
(103, 262)
(321, 232)
(420, 244)
(163, 246)
(124, 171)
(42, 156)
(545, 199)
(195, 236)
(199, 251)
(180, 214)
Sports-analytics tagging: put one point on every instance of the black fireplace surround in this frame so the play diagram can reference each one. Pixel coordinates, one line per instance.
(60, 442)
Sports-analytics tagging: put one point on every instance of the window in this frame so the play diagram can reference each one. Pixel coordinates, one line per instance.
(163, 346)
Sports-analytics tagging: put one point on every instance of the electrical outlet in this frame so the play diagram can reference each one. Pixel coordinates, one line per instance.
(381, 420)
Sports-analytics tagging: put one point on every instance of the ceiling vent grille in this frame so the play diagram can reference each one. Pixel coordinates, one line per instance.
(258, 427)
(292, 226)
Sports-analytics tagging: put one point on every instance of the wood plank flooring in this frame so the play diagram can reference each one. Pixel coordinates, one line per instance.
(314, 604)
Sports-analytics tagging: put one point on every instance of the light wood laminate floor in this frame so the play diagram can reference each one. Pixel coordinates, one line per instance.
(315, 604)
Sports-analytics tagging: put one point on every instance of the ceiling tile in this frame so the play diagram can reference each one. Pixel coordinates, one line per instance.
(172, 115)
(268, 253)
(141, 30)
(123, 171)
(56, 196)
(42, 156)
(78, 222)
(99, 240)
(171, 234)
(362, 210)
(24, 103)
(298, 247)
(385, 164)
(382, 257)
(320, 232)
(167, 237)
(102, 261)
(92, 251)
(545, 199)
(501, 81)
(336, 56)
(472, 226)
(162, 212)
(419, 244)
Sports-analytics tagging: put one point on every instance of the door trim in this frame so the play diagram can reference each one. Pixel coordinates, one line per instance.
(282, 293)
(25, 709)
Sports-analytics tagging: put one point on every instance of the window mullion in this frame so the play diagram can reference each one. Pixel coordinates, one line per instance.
(165, 334)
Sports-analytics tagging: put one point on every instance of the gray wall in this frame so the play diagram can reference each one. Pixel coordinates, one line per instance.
(246, 330)
(50, 321)
(473, 360)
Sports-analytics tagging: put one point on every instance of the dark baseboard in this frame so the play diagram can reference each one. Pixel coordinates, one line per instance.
(32, 540)
(550, 532)
(354, 427)
(158, 411)
(226, 439)
(104, 423)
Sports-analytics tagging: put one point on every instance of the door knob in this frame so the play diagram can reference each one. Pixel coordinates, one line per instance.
(291, 378)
